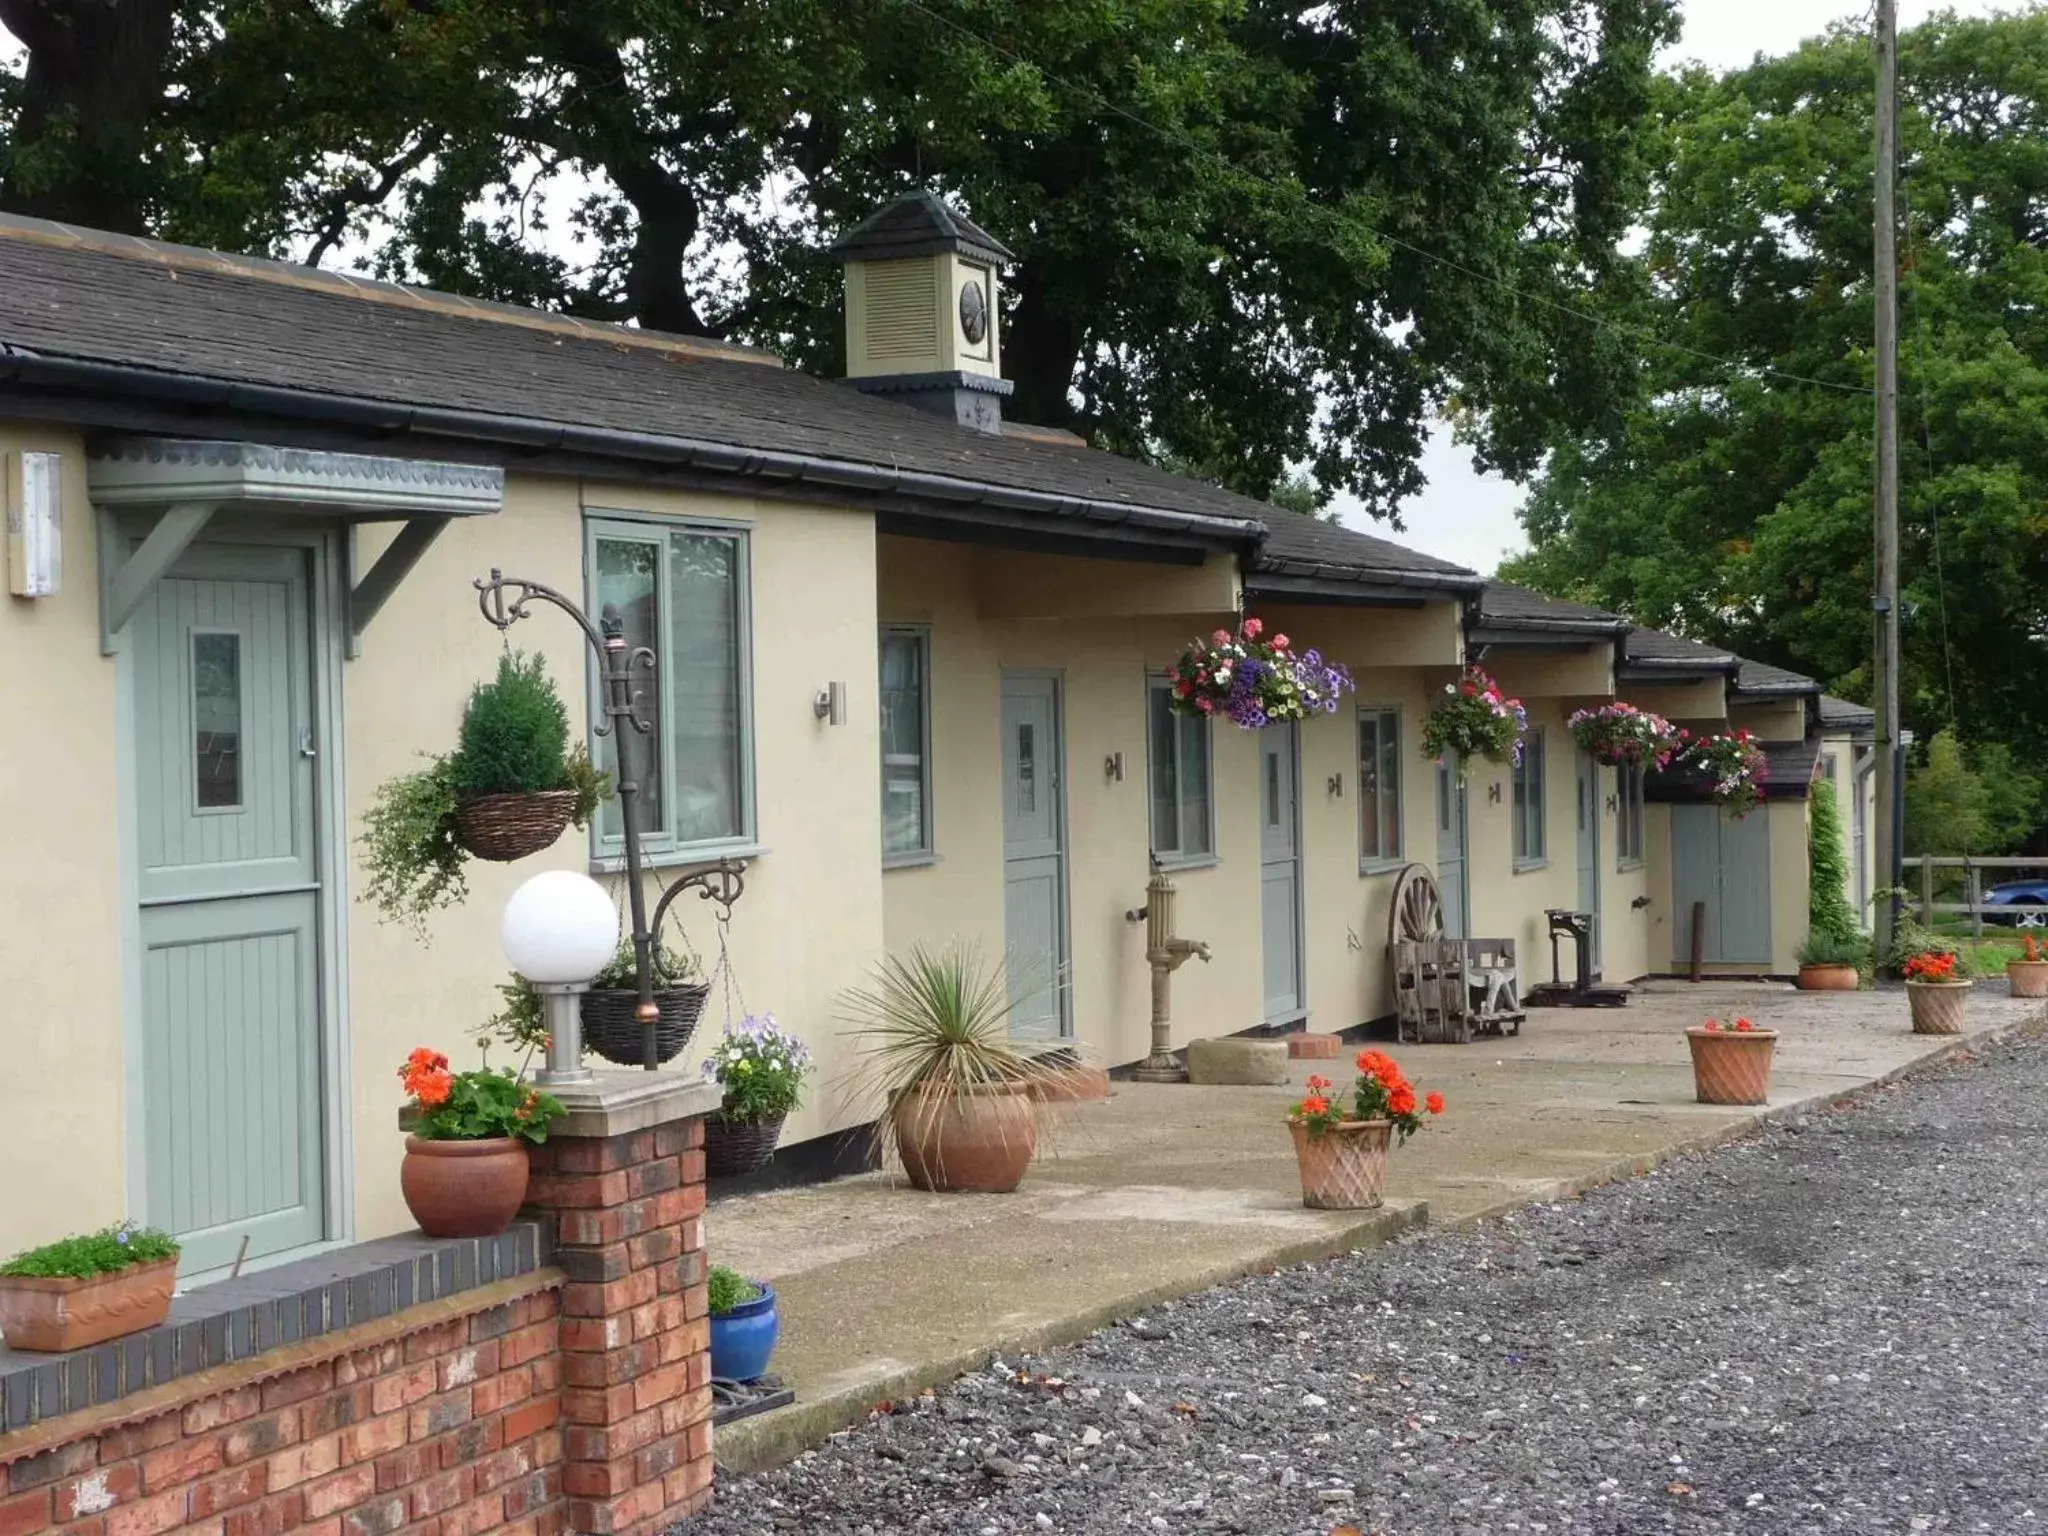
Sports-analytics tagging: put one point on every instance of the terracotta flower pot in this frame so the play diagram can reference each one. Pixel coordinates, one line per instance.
(1937, 1006)
(2027, 978)
(1345, 1168)
(1732, 1066)
(464, 1188)
(58, 1315)
(981, 1141)
(1829, 978)
(1074, 1084)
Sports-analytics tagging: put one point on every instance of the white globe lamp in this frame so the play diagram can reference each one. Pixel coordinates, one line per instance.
(559, 930)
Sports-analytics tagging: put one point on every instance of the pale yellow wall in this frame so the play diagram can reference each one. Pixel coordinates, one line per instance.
(1791, 883)
(1771, 720)
(1508, 903)
(811, 916)
(62, 1095)
(1021, 585)
(1587, 674)
(1705, 700)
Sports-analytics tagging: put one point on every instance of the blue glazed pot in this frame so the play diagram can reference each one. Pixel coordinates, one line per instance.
(744, 1338)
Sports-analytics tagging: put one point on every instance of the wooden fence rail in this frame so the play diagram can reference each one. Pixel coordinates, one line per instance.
(1972, 869)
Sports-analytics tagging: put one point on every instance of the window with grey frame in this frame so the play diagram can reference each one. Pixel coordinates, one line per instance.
(1379, 787)
(1628, 830)
(1177, 754)
(681, 590)
(906, 744)
(1530, 846)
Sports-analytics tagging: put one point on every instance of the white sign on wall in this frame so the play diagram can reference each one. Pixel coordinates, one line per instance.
(34, 523)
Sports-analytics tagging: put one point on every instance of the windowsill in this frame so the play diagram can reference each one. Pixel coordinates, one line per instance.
(1529, 866)
(1627, 866)
(1174, 864)
(909, 860)
(701, 855)
(1369, 867)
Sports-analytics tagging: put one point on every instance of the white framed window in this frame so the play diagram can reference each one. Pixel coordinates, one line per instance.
(1177, 779)
(906, 651)
(1531, 847)
(1379, 787)
(682, 590)
(1628, 836)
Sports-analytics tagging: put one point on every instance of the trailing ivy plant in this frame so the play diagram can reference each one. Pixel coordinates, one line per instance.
(413, 862)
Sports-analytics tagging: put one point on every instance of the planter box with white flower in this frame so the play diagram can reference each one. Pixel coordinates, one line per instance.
(81, 1291)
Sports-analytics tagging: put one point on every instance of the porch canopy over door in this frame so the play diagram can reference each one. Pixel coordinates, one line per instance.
(182, 484)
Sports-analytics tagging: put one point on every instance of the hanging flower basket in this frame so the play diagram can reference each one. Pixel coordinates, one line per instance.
(1623, 736)
(611, 1022)
(1734, 767)
(1475, 719)
(502, 828)
(1254, 682)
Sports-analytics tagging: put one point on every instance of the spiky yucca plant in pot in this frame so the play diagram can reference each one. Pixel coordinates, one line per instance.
(955, 1095)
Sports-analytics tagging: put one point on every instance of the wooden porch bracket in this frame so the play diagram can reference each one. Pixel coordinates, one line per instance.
(368, 596)
(129, 583)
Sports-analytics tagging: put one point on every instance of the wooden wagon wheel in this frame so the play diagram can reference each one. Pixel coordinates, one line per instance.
(1417, 911)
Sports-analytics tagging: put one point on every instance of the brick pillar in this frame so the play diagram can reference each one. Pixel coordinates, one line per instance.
(622, 1184)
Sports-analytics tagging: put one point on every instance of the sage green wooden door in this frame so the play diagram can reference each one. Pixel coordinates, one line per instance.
(229, 883)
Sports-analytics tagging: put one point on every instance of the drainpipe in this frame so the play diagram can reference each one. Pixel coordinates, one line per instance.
(1165, 953)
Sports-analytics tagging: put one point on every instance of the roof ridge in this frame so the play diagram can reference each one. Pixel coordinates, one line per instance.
(264, 269)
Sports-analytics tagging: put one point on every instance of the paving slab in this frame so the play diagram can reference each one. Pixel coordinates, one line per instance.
(1168, 1189)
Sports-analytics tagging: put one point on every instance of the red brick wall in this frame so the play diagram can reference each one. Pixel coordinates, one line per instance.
(450, 1430)
(628, 1218)
(576, 1399)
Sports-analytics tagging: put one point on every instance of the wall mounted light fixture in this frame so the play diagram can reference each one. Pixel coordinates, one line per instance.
(830, 704)
(1337, 785)
(1493, 793)
(1113, 767)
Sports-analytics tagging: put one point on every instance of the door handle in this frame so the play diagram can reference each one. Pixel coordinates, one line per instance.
(306, 747)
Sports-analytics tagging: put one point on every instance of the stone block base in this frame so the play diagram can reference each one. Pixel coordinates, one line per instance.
(1238, 1062)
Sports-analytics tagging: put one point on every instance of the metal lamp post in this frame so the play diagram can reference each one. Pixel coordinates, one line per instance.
(503, 601)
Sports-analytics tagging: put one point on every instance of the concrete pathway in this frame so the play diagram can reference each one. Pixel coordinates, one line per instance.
(1163, 1191)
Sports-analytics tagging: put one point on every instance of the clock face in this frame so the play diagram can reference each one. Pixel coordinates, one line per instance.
(973, 311)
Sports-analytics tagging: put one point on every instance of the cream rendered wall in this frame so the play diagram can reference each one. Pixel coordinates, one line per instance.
(1103, 664)
(1626, 951)
(1508, 903)
(1400, 656)
(811, 917)
(1704, 701)
(62, 888)
(1791, 882)
(1771, 720)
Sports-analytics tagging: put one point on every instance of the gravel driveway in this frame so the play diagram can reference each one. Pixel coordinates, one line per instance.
(1837, 1325)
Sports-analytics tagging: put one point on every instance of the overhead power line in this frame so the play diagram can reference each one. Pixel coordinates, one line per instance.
(1620, 327)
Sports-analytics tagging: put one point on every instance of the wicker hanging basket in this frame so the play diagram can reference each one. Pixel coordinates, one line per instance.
(733, 1148)
(502, 828)
(611, 1030)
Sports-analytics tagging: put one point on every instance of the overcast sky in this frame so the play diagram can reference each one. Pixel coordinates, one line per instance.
(1469, 517)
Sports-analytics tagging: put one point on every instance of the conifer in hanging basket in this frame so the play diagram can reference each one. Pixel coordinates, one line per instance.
(1254, 682)
(1623, 736)
(515, 789)
(1474, 718)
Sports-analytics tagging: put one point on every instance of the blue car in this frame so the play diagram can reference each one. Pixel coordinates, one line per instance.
(2017, 893)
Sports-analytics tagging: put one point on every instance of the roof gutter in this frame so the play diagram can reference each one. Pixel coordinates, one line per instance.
(1323, 570)
(19, 366)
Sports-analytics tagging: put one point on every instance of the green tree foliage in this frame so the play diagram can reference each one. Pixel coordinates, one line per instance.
(1253, 234)
(1828, 913)
(1735, 504)
(1969, 800)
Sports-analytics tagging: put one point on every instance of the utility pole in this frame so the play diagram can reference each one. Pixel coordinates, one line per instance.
(1886, 601)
